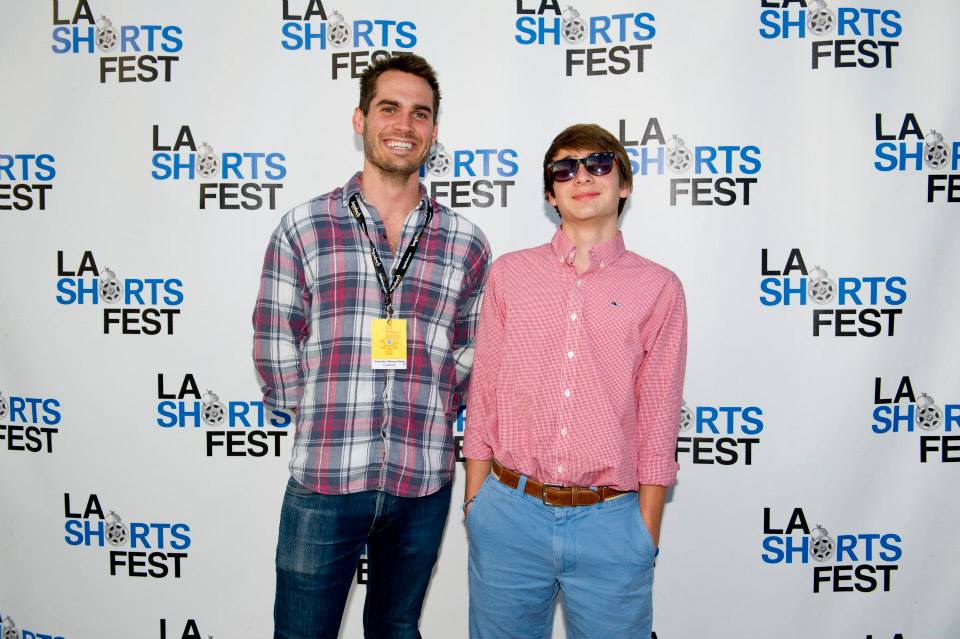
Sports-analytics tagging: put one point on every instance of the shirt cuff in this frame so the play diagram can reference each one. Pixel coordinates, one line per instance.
(276, 401)
(476, 451)
(658, 472)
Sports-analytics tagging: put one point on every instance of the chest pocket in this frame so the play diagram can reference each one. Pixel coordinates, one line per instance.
(434, 291)
(615, 326)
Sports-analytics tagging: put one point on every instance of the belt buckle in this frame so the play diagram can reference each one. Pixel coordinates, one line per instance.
(543, 492)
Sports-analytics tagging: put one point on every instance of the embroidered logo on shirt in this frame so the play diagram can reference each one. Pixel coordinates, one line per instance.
(615, 304)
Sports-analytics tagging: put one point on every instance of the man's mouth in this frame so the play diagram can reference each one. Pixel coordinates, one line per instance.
(399, 145)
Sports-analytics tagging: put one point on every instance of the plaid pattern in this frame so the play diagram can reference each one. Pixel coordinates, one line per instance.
(578, 378)
(358, 428)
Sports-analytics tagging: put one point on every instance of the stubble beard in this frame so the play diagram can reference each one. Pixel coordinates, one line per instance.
(400, 170)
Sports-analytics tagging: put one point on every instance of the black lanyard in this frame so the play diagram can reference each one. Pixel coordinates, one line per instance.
(388, 287)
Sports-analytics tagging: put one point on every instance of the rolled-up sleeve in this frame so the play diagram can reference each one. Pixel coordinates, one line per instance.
(659, 388)
(468, 312)
(280, 320)
(482, 401)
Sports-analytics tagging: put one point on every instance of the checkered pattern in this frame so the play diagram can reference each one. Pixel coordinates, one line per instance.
(358, 428)
(578, 379)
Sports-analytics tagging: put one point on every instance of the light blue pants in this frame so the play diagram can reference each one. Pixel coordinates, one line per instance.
(523, 552)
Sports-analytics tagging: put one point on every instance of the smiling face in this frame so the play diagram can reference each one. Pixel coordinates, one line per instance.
(587, 197)
(399, 126)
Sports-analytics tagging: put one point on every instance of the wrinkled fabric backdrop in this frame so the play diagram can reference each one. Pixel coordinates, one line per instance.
(796, 166)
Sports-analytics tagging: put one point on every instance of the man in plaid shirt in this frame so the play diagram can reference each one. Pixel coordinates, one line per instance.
(364, 325)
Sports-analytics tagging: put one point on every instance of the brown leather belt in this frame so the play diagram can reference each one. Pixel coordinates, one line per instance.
(553, 495)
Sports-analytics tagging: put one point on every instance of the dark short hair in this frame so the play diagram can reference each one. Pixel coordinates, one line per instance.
(406, 62)
(588, 137)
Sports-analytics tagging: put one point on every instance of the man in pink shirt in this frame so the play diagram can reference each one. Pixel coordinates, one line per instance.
(573, 414)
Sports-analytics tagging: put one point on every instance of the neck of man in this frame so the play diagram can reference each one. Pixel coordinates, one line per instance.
(392, 195)
(585, 234)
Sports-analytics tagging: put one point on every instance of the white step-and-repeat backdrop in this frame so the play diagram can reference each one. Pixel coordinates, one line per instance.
(797, 166)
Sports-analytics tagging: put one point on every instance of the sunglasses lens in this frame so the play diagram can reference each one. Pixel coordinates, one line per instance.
(564, 170)
(599, 163)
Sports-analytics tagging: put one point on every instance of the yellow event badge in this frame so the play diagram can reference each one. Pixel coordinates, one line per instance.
(389, 344)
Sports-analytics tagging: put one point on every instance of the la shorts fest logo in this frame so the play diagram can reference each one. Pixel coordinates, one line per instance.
(865, 305)
(849, 562)
(29, 424)
(722, 435)
(462, 178)
(191, 630)
(903, 146)
(459, 426)
(701, 174)
(840, 36)
(9, 630)
(235, 428)
(126, 52)
(899, 411)
(226, 180)
(145, 549)
(131, 305)
(354, 43)
(594, 45)
(25, 180)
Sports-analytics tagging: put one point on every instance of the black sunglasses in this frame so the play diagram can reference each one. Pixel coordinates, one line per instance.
(599, 163)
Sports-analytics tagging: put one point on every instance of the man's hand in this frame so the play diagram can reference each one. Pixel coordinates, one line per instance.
(477, 471)
(651, 499)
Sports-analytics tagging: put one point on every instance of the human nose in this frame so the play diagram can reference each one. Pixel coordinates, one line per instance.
(404, 122)
(582, 174)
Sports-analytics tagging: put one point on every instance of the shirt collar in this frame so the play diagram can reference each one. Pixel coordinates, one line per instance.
(603, 253)
(354, 186)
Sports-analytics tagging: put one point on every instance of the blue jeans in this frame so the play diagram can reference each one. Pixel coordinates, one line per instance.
(523, 552)
(321, 540)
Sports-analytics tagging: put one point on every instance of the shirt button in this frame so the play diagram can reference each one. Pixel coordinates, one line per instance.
(579, 282)
(602, 264)
(566, 393)
(563, 431)
(570, 354)
(573, 317)
(560, 468)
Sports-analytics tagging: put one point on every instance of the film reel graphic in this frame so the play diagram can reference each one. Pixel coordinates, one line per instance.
(9, 627)
(820, 19)
(820, 287)
(110, 289)
(338, 33)
(107, 36)
(3, 406)
(929, 415)
(935, 153)
(117, 531)
(821, 544)
(208, 164)
(678, 155)
(686, 417)
(213, 411)
(439, 161)
(572, 27)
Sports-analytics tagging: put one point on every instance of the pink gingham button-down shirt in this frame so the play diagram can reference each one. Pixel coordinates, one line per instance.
(577, 378)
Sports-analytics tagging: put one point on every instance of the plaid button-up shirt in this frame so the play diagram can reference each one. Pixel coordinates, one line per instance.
(359, 428)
